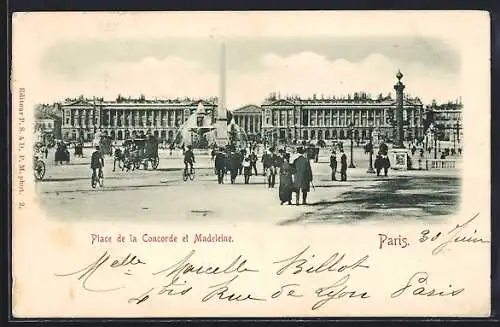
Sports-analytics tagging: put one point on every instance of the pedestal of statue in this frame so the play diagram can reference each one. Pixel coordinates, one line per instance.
(221, 133)
(399, 159)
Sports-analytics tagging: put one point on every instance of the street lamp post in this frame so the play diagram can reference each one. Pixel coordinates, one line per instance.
(435, 142)
(370, 167)
(351, 125)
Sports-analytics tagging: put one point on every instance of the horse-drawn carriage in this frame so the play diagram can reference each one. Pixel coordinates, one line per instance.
(140, 151)
(62, 154)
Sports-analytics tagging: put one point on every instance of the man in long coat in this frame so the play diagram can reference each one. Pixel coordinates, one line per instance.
(234, 165)
(343, 166)
(302, 176)
(220, 165)
(333, 164)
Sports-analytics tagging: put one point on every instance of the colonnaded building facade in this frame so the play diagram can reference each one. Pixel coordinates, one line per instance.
(249, 118)
(277, 119)
(125, 118)
(290, 118)
(449, 117)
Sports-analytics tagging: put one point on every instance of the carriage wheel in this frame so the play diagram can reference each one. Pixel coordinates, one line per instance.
(137, 164)
(39, 170)
(155, 162)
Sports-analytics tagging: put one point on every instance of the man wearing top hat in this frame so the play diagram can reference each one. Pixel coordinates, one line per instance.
(302, 176)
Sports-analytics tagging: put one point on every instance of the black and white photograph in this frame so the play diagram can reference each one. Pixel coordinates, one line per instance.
(337, 144)
(150, 127)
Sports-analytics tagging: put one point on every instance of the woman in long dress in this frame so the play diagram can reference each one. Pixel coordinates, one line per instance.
(286, 180)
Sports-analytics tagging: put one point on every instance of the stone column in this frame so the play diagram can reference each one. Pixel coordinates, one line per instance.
(399, 87)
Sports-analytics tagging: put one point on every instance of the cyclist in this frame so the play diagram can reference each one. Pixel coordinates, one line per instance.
(188, 159)
(96, 162)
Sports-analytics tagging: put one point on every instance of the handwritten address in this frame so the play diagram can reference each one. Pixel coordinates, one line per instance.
(228, 281)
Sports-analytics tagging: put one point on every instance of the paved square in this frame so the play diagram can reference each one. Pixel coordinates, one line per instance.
(162, 195)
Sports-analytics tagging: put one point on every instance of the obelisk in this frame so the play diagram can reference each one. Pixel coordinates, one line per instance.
(222, 138)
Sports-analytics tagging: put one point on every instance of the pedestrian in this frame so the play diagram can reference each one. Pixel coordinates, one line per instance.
(286, 181)
(234, 165)
(220, 165)
(421, 152)
(272, 165)
(46, 150)
(343, 166)
(333, 164)
(241, 157)
(253, 162)
(266, 162)
(212, 155)
(386, 164)
(302, 176)
(378, 164)
(117, 157)
(247, 169)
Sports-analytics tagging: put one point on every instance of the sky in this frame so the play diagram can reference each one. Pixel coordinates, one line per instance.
(169, 66)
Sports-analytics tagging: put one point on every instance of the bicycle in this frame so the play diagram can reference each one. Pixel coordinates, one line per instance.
(188, 173)
(95, 180)
(38, 169)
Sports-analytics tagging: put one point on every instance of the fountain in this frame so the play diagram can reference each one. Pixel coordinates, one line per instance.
(237, 135)
(200, 132)
(197, 131)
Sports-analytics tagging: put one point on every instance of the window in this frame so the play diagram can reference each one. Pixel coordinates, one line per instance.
(328, 118)
(321, 117)
(313, 120)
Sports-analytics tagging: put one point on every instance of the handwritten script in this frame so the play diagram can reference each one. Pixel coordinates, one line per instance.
(461, 234)
(337, 276)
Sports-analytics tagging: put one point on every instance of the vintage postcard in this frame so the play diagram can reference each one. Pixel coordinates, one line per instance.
(251, 164)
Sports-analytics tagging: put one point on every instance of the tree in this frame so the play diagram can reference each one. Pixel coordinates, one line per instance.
(428, 120)
(440, 131)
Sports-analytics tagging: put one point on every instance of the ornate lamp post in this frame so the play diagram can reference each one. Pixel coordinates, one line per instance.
(351, 131)
(370, 124)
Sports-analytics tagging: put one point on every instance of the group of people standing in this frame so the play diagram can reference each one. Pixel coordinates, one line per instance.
(334, 165)
(234, 162)
(294, 177)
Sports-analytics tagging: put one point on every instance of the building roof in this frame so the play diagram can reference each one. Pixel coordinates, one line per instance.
(136, 102)
(341, 102)
(248, 109)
